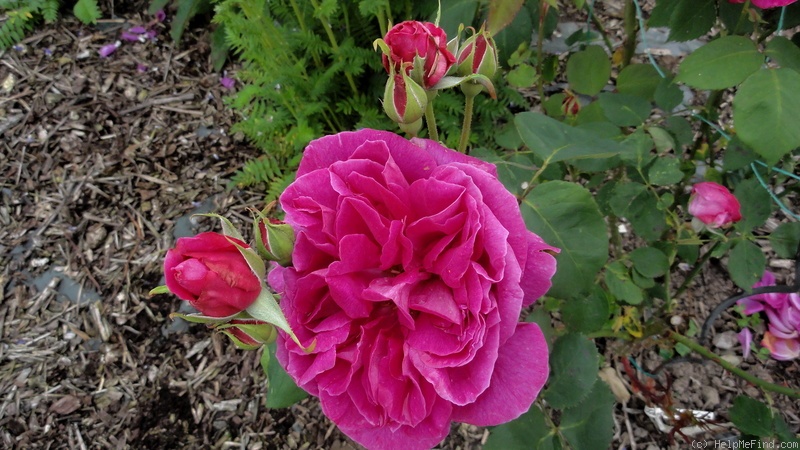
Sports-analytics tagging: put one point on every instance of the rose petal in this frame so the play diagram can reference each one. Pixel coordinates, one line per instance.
(520, 372)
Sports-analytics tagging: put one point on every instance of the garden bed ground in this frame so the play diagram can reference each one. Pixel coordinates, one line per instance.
(102, 161)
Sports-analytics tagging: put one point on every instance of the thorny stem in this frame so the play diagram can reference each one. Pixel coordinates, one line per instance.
(543, 6)
(597, 23)
(710, 107)
(467, 126)
(708, 354)
(430, 118)
(698, 266)
(630, 33)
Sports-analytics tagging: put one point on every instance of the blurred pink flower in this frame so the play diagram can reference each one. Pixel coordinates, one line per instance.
(107, 50)
(410, 269)
(783, 319)
(227, 83)
(714, 205)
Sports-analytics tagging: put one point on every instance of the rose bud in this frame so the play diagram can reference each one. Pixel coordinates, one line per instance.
(478, 55)
(249, 334)
(714, 205)
(404, 101)
(209, 271)
(571, 105)
(421, 46)
(275, 240)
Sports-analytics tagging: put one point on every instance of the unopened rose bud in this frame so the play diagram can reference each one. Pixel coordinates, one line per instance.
(275, 240)
(571, 105)
(404, 101)
(249, 334)
(478, 55)
(714, 205)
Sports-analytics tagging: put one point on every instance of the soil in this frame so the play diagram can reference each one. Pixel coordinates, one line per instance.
(102, 160)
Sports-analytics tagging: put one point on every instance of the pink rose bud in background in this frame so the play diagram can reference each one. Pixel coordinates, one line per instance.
(763, 4)
(209, 272)
(413, 42)
(782, 337)
(714, 205)
(404, 101)
(478, 55)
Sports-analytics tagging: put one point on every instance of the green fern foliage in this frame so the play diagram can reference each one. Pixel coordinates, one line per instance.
(87, 11)
(21, 15)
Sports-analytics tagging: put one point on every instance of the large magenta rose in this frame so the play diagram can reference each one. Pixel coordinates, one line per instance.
(714, 205)
(424, 39)
(411, 266)
(210, 273)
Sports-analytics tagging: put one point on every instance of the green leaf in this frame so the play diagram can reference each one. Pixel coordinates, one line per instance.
(522, 76)
(501, 13)
(219, 47)
(756, 204)
(86, 11)
(454, 13)
(746, 264)
(624, 110)
(765, 112)
(541, 317)
(155, 5)
(514, 35)
(186, 10)
(665, 171)
(590, 425)
(650, 261)
(668, 95)
(566, 216)
(785, 52)
(662, 13)
(691, 19)
(785, 239)
(573, 370)
(737, 155)
(751, 416)
(619, 283)
(586, 314)
(282, 392)
(720, 64)
(529, 431)
(640, 80)
(588, 71)
(634, 202)
(637, 149)
(555, 141)
(662, 139)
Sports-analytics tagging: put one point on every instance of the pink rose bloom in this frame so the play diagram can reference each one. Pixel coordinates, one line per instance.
(783, 319)
(208, 271)
(411, 266)
(714, 205)
(763, 4)
(424, 39)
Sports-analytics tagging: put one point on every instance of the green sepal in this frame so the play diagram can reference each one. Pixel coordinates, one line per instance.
(227, 227)
(264, 333)
(266, 309)
(253, 260)
(163, 289)
(238, 343)
(199, 318)
(450, 81)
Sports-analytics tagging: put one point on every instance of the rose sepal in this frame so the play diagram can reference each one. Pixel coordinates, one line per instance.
(280, 239)
(266, 309)
(227, 227)
(239, 343)
(200, 318)
(257, 331)
(163, 289)
(252, 259)
(451, 81)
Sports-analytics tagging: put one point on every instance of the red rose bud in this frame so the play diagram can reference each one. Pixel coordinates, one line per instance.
(714, 205)
(249, 334)
(421, 45)
(275, 240)
(404, 100)
(478, 55)
(571, 106)
(209, 271)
